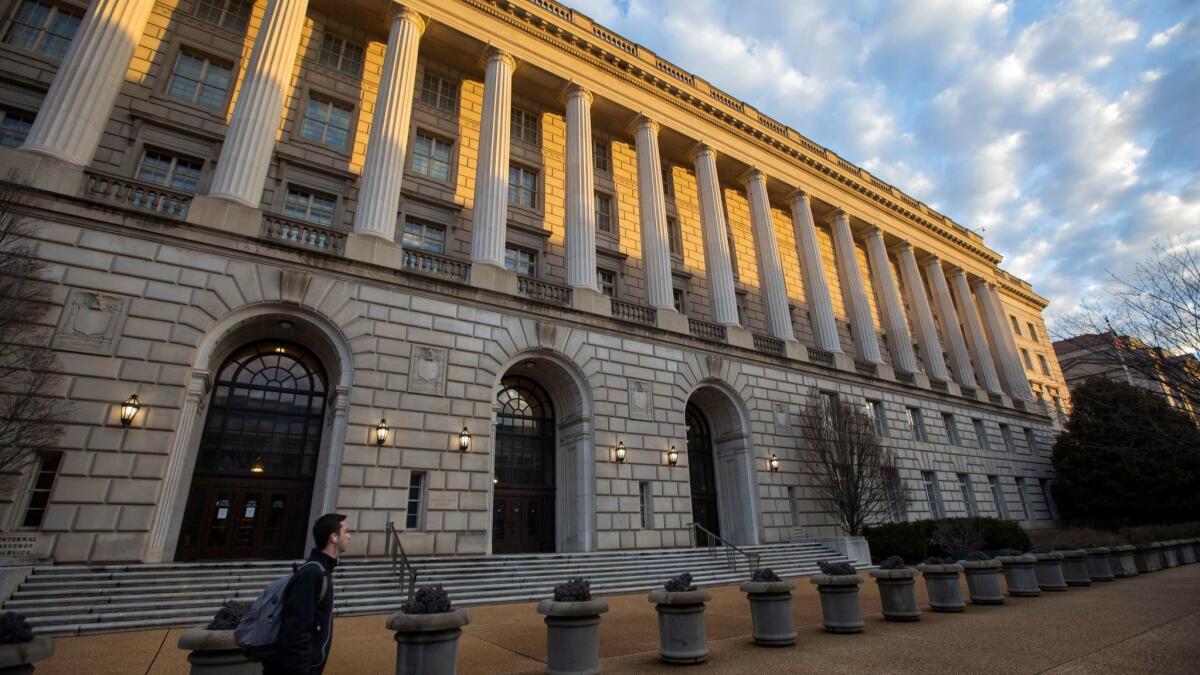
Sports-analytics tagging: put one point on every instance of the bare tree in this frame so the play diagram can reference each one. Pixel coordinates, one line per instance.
(855, 475)
(30, 415)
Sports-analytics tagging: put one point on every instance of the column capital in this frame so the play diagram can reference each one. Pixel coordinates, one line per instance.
(699, 149)
(874, 232)
(642, 121)
(576, 90)
(400, 12)
(906, 246)
(493, 54)
(799, 195)
(838, 213)
(750, 175)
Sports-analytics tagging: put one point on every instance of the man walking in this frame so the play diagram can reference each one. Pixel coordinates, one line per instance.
(306, 624)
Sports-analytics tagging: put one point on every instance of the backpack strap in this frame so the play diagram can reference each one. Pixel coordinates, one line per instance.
(324, 577)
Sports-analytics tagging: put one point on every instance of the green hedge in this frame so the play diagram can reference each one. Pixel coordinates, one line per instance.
(911, 540)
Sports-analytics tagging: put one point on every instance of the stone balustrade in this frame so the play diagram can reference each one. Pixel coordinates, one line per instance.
(303, 235)
(136, 194)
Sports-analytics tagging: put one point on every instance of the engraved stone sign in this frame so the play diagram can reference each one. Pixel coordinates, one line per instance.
(641, 400)
(427, 371)
(90, 322)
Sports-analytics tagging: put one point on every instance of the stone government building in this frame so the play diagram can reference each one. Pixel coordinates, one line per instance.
(520, 239)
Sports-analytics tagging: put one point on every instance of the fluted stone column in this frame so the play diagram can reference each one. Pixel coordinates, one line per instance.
(770, 267)
(246, 152)
(866, 344)
(171, 501)
(1001, 338)
(973, 328)
(379, 196)
(960, 358)
(716, 238)
(581, 205)
(900, 341)
(812, 269)
(926, 328)
(490, 218)
(77, 107)
(652, 216)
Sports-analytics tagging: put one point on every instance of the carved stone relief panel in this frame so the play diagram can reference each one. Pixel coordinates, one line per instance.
(427, 371)
(783, 419)
(641, 400)
(90, 322)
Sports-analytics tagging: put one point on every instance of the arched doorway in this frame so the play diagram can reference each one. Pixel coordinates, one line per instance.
(721, 464)
(523, 502)
(703, 474)
(253, 479)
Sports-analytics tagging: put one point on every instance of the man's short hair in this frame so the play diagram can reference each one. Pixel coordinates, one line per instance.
(328, 524)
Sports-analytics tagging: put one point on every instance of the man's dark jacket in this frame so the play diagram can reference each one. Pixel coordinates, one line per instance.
(306, 631)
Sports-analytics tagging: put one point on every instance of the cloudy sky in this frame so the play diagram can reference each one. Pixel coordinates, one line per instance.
(1068, 133)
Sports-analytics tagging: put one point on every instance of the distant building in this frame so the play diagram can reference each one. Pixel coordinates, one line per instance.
(1176, 377)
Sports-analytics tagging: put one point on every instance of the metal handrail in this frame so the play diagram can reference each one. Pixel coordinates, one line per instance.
(752, 559)
(395, 550)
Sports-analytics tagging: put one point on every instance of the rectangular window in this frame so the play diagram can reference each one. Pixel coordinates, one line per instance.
(14, 127)
(197, 79)
(231, 15)
(524, 126)
(679, 299)
(601, 159)
(1006, 435)
(424, 236)
(874, 410)
(981, 434)
(968, 495)
(416, 501)
(45, 470)
(43, 28)
(1058, 405)
(895, 493)
(439, 93)
(604, 212)
(740, 300)
(674, 236)
(431, 157)
(169, 169)
(916, 424)
(522, 186)
(309, 205)
(645, 492)
(668, 181)
(931, 493)
(1048, 495)
(1016, 326)
(1045, 365)
(1030, 439)
(733, 260)
(327, 122)
(1025, 357)
(998, 497)
(1032, 332)
(827, 400)
(951, 428)
(341, 54)
(607, 280)
(1024, 495)
(521, 260)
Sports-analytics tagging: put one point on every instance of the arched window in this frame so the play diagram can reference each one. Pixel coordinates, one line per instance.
(524, 434)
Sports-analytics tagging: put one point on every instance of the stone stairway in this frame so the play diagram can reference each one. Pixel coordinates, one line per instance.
(86, 599)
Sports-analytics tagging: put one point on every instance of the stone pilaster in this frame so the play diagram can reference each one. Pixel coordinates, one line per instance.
(330, 479)
(770, 267)
(489, 221)
(652, 213)
(171, 500)
(812, 269)
(899, 339)
(926, 328)
(1001, 339)
(973, 328)
(854, 293)
(246, 152)
(581, 204)
(960, 358)
(716, 238)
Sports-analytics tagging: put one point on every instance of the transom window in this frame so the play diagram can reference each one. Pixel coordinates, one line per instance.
(43, 28)
(607, 280)
(45, 471)
(169, 169)
(232, 15)
(431, 157)
(604, 212)
(522, 186)
(424, 236)
(600, 156)
(341, 54)
(525, 422)
(197, 79)
(439, 92)
(309, 205)
(14, 127)
(520, 260)
(525, 126)
(327, 122)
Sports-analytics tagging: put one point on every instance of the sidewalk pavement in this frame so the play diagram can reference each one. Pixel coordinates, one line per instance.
(1147, 624)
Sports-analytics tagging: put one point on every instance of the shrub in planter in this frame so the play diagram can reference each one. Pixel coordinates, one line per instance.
(983, 578)
(213, 650)
(941, 584)
(572, 628)
(1019, 575)
(838, 585)
(1074, 565)
(680, 608)
(1048, 569)
(427, 631)
(770, 608)
(907, 540)
(1099, 563)
(897, 590)
(1148, 559)
(19, 647)
(1123, 561)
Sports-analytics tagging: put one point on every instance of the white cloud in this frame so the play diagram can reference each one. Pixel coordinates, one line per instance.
(1161, 38)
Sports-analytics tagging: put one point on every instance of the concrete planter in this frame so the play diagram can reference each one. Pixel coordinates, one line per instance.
(839, 602)
(427, 643)
(1019, 576)
(771, 612)
(1124, 561)
(1148, 559)
(983, 581)
(681, 625)
(1099, 564)
(1074, 568)
(1167, 555)
(572, 636)
(1187, 551)
(897, 594)
(215, 652)
(941, 584)
(1049, 571)
(1196, 548)
(18, 659)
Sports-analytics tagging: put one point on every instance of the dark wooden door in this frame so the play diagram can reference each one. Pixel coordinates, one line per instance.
(522, 521)
(245, 519)
(702, 474)
(523, 499)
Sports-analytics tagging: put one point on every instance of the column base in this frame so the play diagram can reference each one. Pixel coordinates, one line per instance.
(224, 214)
(670, 320)
(590, 300)
(375, 250)
(738, 336)
(44, 172)
(886, 372)
(493, 277)
(794, 350)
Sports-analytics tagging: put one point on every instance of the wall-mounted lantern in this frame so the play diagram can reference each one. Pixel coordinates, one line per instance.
(129, 410)
(258, 466)
(672, 456)
(381, 432)
(774, 463)
(464, 440)
(621, 452)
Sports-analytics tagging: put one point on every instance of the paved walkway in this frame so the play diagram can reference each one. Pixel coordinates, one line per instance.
(1148, 624)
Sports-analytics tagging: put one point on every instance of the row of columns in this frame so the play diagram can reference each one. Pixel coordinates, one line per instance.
(79, 101)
